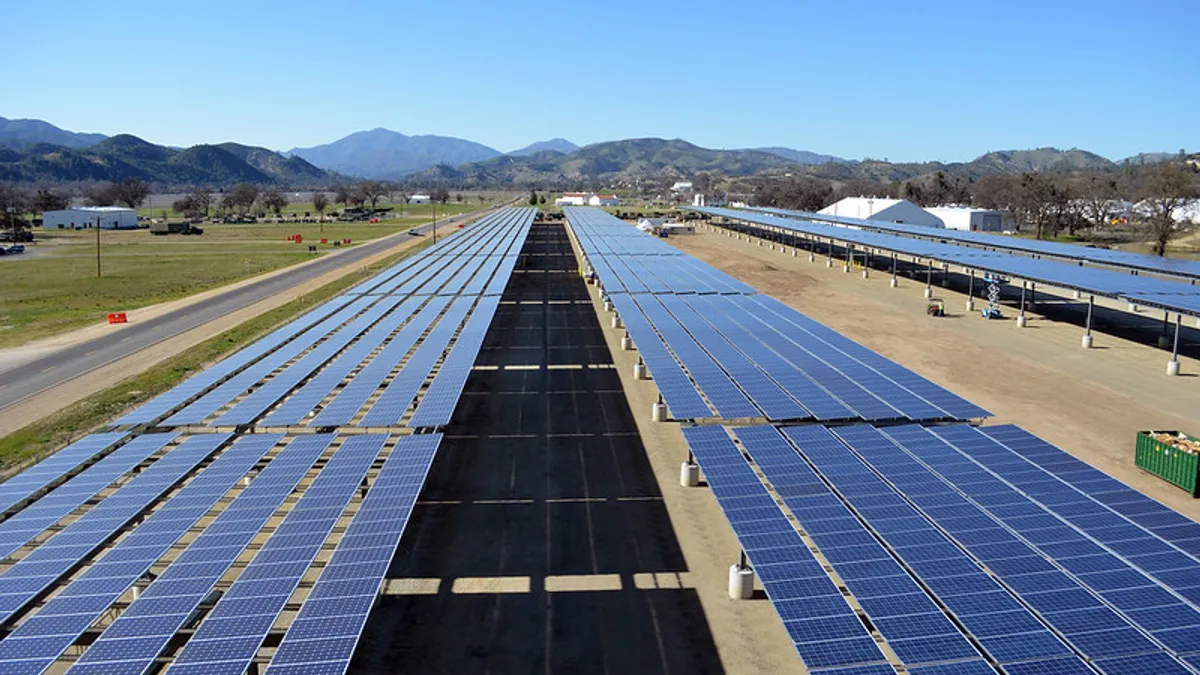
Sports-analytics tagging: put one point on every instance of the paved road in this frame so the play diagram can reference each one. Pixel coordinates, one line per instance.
(58, 367)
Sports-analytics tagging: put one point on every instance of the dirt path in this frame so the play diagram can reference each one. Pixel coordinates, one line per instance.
(1088, 402)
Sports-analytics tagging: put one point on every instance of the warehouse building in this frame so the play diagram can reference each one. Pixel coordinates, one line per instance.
(87, 217)
(969, 219)
(876, 208)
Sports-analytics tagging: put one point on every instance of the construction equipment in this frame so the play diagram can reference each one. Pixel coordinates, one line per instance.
(164, 228)
(992, 311)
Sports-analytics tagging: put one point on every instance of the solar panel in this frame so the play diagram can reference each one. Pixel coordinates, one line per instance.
(31, 522)
(798, 587)
(31, 482)
(678, 392)
(175, 594)
(322, 637)
(230, 636)
(1138, 289)
(1137, 261)
(437, 406)
(41, 639)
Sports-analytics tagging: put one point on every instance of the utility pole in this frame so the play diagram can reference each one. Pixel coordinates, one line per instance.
(434, 202)
(98, 246)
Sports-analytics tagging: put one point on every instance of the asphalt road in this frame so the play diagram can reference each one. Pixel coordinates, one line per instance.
(22, 382)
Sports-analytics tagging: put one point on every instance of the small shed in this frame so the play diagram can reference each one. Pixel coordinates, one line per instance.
(969, 219)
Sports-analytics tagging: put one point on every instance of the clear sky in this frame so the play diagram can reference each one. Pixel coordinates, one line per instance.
(918, 80)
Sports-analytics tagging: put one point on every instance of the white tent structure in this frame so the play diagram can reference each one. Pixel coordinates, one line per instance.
(877, 208)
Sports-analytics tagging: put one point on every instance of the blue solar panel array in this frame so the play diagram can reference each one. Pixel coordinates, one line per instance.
(41, 476)
(132, 642)
(38, 641)
(718, 349)
(231, 634)
(1173, 296)
(1100, 256)
(321, 640)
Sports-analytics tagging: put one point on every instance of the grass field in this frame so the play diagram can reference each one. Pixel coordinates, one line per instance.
(55, 431)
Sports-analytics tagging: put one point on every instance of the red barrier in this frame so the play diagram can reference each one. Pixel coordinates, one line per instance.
(345, 241)
(324, 241)
(118, 317)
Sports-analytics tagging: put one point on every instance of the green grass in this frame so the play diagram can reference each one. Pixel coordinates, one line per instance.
(55, 431)
(45, 296)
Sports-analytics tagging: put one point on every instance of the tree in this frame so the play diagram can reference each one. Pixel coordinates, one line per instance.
(202, 200)
(101, 194)
(13, 203)
(1168, 189)
(273, 200)
(48, 200)
(533, 198)
(240, 198)
(320, 203)
(1098, 195)
(542, 199)
(458, 197)
(131, 192)
(441, 195)
(342, 194)
(372, 191)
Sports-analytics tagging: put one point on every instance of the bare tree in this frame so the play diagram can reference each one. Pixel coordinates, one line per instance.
(1097, 196)
(372, 191)
(48, 200)
(13, 203)
(1169, 188)
(202, 200)
(320, 203)
(273, 199)
(342, 194)
(131, 192)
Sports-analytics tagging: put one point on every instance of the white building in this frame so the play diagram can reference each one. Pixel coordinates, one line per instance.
(700, 199)
(603, 200)
(878, 208)
(682, 186)
(86, 217)
(969, 219)
(420, 199)
(572, 199)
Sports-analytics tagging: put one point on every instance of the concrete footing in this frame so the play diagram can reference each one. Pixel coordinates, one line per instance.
(793, 253)
(616, 321)
(866, 273)
(608, 307)
(1086, 342)
(658, 412)
(1172, 368)
(639, 371)
(812, 257)
(627, 343)
(894, 283)
(928, 292)
(970, 304)
(1133, 307)
(829, 263)
(1020, 322)
(1076, 295)
(689, 474)
(741, 583)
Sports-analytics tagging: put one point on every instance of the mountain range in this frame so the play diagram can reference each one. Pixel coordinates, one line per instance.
(125, 156)
(36, 151)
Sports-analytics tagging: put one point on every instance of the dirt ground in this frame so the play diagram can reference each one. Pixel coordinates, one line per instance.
(1090, 403)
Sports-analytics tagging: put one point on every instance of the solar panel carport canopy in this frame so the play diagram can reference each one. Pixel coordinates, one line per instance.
(1101, 256)
(710, 340)
(1174, 296)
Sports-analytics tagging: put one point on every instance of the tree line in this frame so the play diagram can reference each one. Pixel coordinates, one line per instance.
(1048, 204)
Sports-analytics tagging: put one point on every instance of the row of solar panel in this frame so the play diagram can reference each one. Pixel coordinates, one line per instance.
(1165, 294)
(751, 356)
(232, 631)
(930, 568)
(247, 367)
(1102, 256)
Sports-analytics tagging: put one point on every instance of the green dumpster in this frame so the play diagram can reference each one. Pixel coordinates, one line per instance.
(1172, 456)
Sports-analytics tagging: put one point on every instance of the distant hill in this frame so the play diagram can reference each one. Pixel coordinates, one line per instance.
(382, 153)
(1041, 159)
(19, 134)
(626, 163)
(802, 156)
(1149, 158)
(126, 156)
(554, 144)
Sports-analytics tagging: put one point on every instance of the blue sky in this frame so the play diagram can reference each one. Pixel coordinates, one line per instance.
(927, 79)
